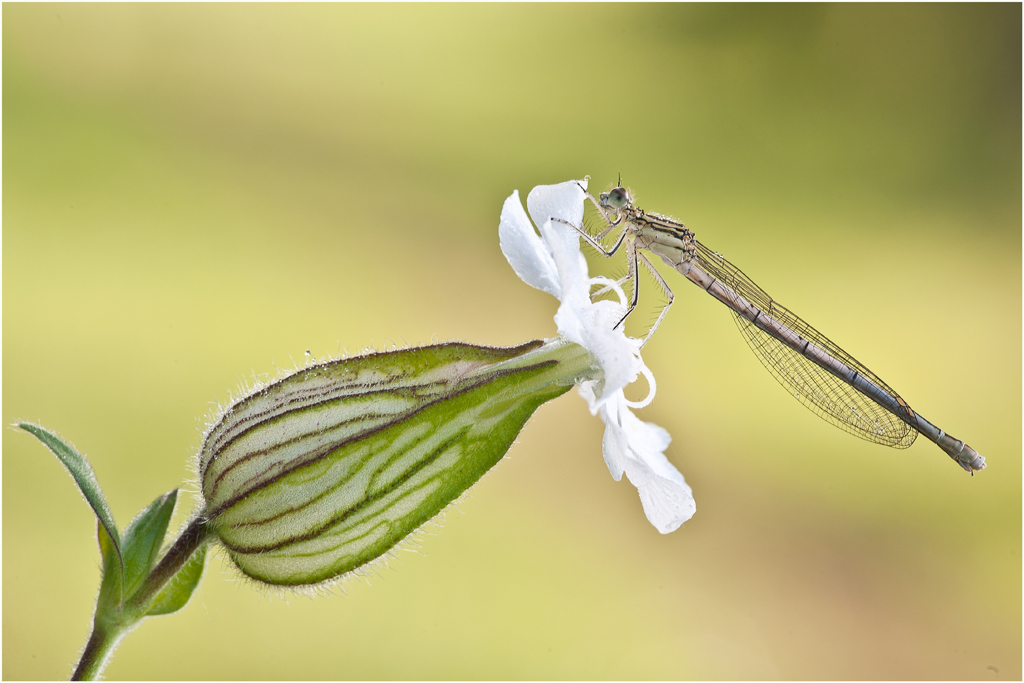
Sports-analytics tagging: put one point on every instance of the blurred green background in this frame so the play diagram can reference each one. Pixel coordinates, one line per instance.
(195, 195)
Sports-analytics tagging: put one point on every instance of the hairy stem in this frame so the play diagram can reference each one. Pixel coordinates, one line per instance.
(97, 651)
(108, 630)
(192, 538)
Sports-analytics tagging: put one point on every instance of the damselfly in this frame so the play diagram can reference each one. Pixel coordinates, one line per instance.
(826, 379)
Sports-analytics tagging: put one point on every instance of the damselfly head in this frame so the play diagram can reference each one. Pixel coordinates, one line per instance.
(616, 199)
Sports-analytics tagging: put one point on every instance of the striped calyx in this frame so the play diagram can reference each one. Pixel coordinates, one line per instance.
(326, 470)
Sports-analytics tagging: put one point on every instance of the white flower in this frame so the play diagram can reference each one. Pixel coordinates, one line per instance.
(552, 262)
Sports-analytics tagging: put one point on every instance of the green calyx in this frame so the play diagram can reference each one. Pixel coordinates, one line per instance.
(328, 469)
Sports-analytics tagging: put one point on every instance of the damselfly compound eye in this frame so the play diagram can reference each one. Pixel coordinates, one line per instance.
(616, 199)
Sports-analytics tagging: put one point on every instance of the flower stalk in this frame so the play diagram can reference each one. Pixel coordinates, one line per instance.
(110, 626)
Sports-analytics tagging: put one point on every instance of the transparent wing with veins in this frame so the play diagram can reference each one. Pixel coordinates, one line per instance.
(822, 392)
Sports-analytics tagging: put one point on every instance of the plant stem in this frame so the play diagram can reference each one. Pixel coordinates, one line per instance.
(107, 632)
(97, 651)
(190, 540)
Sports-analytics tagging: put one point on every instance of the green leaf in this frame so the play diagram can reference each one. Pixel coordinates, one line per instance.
(107, 552)
(108, 604)
(143, 538)
(82, 472)
(176, 592)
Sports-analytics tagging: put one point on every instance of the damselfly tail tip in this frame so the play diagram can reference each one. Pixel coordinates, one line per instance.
(970, 460)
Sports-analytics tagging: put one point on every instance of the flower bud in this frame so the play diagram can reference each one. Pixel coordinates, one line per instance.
(329, 468)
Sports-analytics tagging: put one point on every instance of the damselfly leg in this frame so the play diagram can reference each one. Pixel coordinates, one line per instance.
(628, 236)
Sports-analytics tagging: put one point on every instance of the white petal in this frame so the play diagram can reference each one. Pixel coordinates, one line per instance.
(637, 448)
(610, 346)
(667, 504)
(649, 442)
(526, 252)
(615, 446)
(564, 201)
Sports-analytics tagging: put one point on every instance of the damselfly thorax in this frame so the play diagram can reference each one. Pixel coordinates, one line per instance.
(664, 236)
